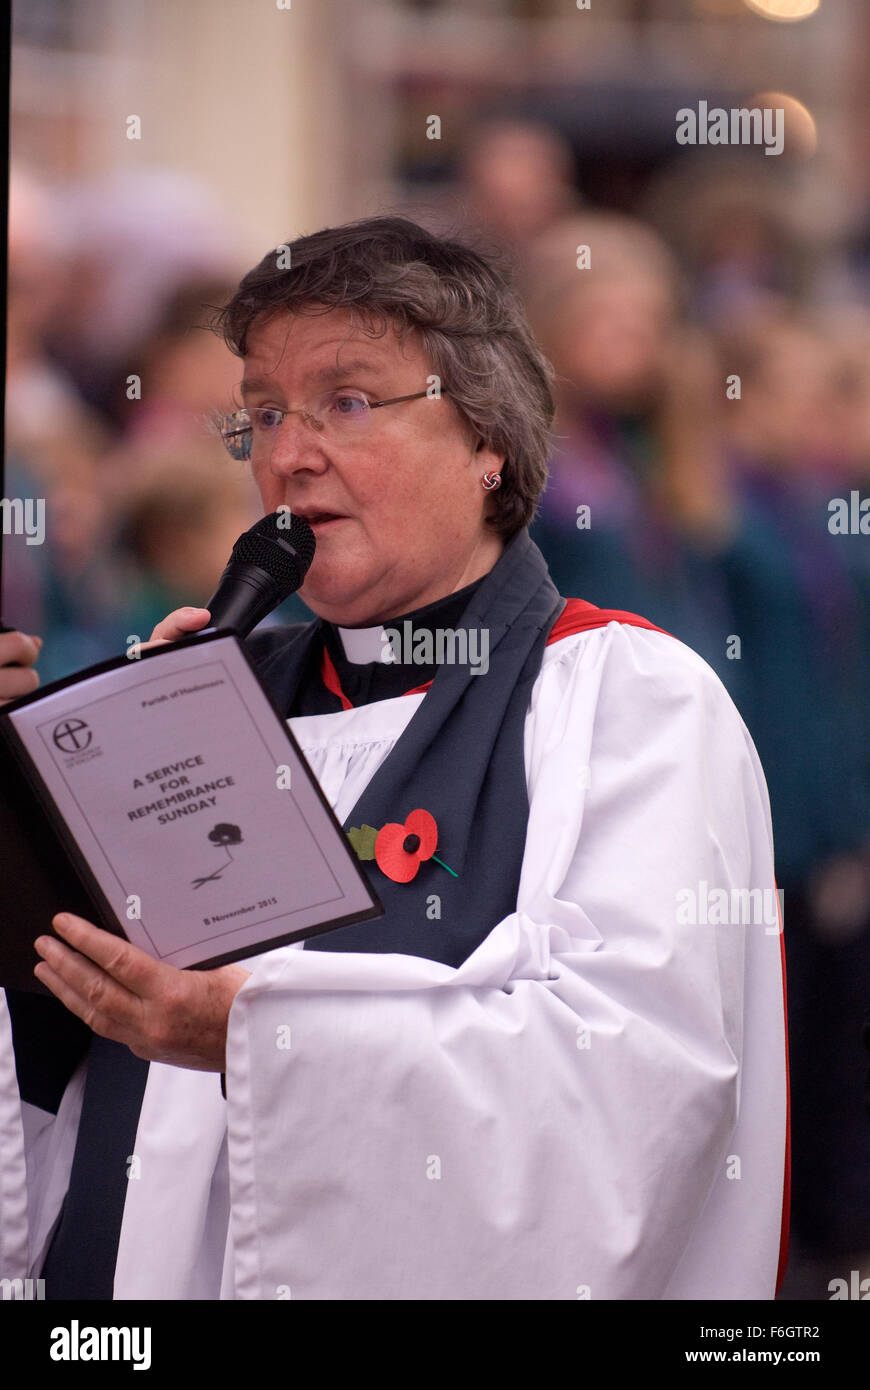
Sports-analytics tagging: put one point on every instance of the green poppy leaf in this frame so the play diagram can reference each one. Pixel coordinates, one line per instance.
(363, 840)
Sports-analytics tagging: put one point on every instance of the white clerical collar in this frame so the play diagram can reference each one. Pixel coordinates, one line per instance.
(364, 644)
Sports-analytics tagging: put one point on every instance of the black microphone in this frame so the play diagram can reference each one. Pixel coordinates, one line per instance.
(268, 564)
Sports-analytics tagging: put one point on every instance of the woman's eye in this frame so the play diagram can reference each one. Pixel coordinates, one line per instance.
(347, 403)
(267, 418)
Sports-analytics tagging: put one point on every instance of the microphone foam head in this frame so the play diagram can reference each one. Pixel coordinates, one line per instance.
(281, 544)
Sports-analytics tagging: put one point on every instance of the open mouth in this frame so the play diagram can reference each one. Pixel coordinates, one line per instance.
(315, 519)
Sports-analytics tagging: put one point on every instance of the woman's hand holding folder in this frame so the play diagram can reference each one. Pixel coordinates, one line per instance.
(162, 1014)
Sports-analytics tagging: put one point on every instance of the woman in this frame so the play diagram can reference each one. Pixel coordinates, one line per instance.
(539, 1073)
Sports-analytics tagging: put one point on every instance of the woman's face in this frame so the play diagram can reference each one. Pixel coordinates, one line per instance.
(408, 494)
(611, 336)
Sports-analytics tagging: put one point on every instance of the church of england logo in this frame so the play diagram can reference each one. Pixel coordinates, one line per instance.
(72, 736)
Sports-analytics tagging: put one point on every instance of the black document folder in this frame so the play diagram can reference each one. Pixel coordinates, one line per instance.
(165, 800)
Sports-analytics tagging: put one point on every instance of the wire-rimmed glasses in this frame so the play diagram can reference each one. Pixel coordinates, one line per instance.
(339, 415)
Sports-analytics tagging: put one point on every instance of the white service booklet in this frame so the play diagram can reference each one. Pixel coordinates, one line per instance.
(185, 805)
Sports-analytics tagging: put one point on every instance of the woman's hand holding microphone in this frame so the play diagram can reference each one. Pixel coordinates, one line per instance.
(18, 655)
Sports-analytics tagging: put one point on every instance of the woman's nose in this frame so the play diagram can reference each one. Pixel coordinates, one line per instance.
(296, 445)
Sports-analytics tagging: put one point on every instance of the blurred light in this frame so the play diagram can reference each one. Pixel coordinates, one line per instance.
(801, 134)
(785, 10)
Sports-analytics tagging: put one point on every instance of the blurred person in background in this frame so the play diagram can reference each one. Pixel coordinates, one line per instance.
(846, 332)
(736, 233)
(134, 239)
(54, 442)
(794, 440)
(788, 456)
(704, 512)
(178, 503)
(43, 409)
(181, 514)
(515, 179)
(106, 343)
(186, 372)
(635, 444)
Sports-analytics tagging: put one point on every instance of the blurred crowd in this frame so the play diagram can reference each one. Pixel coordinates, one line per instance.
(713, 387)
(713, 400)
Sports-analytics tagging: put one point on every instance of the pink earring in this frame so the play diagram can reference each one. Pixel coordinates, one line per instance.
(490, 481)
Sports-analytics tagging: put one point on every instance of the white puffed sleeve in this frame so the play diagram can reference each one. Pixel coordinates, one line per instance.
(594, 1104)
(14, 1226)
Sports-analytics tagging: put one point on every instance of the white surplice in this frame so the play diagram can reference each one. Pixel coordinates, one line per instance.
(593, 1105)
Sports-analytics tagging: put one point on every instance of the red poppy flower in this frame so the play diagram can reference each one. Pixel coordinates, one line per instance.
(401, 849)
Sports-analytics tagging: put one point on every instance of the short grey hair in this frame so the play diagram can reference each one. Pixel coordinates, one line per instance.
(472, 326)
